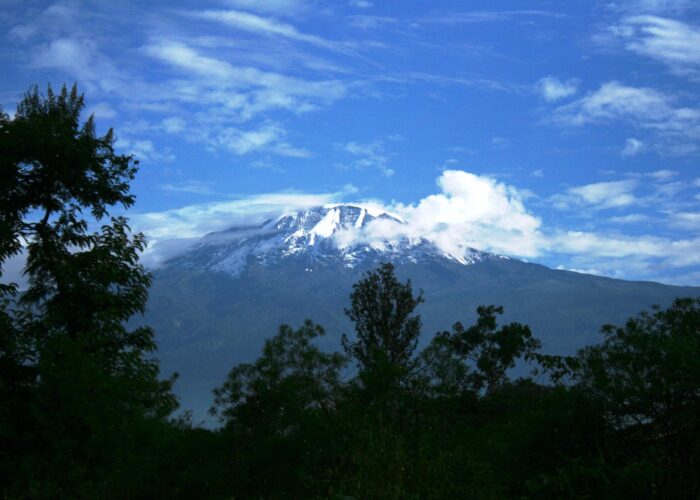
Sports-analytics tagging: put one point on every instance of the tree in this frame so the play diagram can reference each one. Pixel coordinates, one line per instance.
(646, 376)
(387, 331)
(279, 414)
(291, 377)
(93, 379)
(478, 358)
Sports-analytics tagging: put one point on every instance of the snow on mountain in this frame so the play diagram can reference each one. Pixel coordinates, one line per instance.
(336, 234)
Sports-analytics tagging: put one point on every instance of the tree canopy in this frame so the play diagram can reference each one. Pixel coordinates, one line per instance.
(387, 330)
(86, 379)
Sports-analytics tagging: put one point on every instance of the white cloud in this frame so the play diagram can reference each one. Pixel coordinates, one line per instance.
(70, 55)
(269, 137)
(360, 4)
(102, 110)
(629, 219)
(553, 89)
(669, 41)
(632, 147)
(613, 101)
(371, 155)
(242, 142)
(143, 150)
(279, 7)
(180, 55)
(499, 142)
(196, 220)
(652, 6)
(367, 22)
(643, 107)
(23, 32)
(491, 16)
(470, 212)
(686, 220)
(221, 97)
(662, 174)
(191, 187)
(173, 125)
(240, 92)
(262, 26)
(588, 245)
(597, 196)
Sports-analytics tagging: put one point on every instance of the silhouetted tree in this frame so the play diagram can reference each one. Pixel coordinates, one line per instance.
(278, 413)
(646, 376)
(291, 376)
(93, 380)
(478, 358)
(387, 330)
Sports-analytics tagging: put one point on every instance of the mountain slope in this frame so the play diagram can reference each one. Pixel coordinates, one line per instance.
(214, 306)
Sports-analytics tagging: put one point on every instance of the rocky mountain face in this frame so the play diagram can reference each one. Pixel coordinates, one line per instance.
(213, 306)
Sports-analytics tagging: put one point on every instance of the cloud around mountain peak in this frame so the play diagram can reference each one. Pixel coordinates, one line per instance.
(471, 211)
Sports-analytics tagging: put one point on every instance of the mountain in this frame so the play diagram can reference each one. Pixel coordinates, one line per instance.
(213, 306)
(327, 235)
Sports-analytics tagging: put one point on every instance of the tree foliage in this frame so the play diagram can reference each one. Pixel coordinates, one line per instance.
(646, 377)
(478, 358)
(291, 377)
(387, 330)
(81, 381)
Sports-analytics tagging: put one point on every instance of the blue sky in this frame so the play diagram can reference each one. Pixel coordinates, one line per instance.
(565, 133)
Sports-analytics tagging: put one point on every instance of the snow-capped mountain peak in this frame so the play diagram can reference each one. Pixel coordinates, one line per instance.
(308, 228)
(334, 234)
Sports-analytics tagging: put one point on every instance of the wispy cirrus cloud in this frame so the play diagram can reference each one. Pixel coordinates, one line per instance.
(677, 127)
(614, 100)
(632, 218)
(371, 155)
(360, 4)
(213, 79)
(265, 26)
(492, 16)
(190, 187)
(653, 6)
(213, 99)
(269, 137)
(144, 150)
(597, 196)
(234, 95)
(658, 190)
(277, 7)
(669, 41)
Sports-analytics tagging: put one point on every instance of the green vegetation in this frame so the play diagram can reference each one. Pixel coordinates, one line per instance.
(83, 413)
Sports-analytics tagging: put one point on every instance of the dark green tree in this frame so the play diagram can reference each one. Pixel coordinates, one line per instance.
(646, 377)
(93, 381)
(279, 416)
(290, 377)
(478, 358)
(387, 330)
